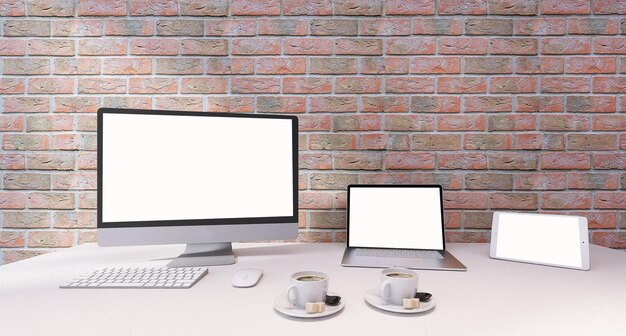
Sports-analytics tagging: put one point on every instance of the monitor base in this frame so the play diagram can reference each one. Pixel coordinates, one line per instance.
(205, 255)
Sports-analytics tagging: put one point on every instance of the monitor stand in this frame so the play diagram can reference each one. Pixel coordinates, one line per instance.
(205, 255)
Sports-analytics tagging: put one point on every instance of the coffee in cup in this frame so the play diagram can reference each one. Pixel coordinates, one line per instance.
(397, 284)
(307, 286)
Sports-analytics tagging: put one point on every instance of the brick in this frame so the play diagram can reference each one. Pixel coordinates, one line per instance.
(76, 104)
(477, 219)
(230, 27)
(384, 65)
(519, 201)
(106, 85)
(203, 85)
(563, 122)
(610, 45)
(490, 181)
(128, 102)
(281, 65)
(357, 85)
(307, 85)
(49, 123)
(602, 84)
(255, 7)
(409, 122)
(609, 161)
(539, 103)
(565, 200)
(385, 27)
(51, 8)
(315, 161)
(439, 104)
(11, 123)
(592, 142)
(28, 28)
(463, 45)
(608, 123)
(153, 7)
(487, 141)
(598, 219)
(75, 219)
(539, 181)
(26, 182)
(609, 7)
(332, 142)
(467, 236)
(333, 65)
(488, 27)
(487, 65)
(373, 141)
(12, 47)
(282, 27)
(462, 161)
(327, 220)
(25, 219)
(386, 178)
(592, 26)
(102, 8)
(565, 161)
(592, 181)
(512, 7)
(610, 239)
(539, 65)
(590, 104)
(388, 104)
(11, 239)
(540, 26)
(204, 8)
(610, 200)
(564, 85)
(50, 161)
(256, 46)
(26, 104)
(356, 123)
(12, 85)
(179, 66)
(358, 7)
(315, 236)
(513, 46)
(487, 104)
(461, 123)
(127, 66)
(76, 66)
(66, 141)
(81, 181)
(465, 200)
(461, 85)
(566, 45)
(153, 85)
(274, 104)
(26, 66)
(308, 46)
(230, 66)
(41, 200)
(462, 7)
(86, 123)
(191, 103)
(12, 8)
(305, 7)
(514, 84)
(164, 46)
(411, 46)
(436, 142)
(179, 28)
(331, 27)
(22, 142)
(358, 161)
(12, 162)
(50, 239)
(255, 85)
(82, 27)
(12, 200)
(350, 46)
(229, 104)
(595, 64)
(409, 161)
(436, 65)
(511, 123)
(559, 8)
(332, 104)
(102, 47)
(513, 161)
(50, 47)
(409, 84)
(126, 27)
(437, 26)
(314, 123)
(87, 161)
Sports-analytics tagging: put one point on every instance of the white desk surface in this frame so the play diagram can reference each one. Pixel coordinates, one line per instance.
(492, 298)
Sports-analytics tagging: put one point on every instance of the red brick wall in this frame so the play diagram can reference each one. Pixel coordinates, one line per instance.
(511, 105)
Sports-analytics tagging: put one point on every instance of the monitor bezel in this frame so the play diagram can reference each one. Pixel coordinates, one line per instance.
(195, 222)
(443, 229)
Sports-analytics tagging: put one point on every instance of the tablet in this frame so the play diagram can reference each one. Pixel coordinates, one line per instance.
(552, 240)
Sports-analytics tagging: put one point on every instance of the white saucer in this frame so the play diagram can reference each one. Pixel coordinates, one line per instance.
(283, 306)
(372, 297)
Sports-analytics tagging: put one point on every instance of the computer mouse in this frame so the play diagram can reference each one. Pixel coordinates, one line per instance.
(247, 277)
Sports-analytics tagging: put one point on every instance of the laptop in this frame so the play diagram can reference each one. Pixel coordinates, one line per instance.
(397, 225)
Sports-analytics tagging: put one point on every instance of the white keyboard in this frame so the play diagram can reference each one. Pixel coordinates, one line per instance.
(395, 253)
(162, 277)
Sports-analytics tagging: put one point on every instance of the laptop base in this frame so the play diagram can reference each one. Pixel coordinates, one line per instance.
(448, 263)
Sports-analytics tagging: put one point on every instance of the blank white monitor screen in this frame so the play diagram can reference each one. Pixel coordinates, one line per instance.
(177, 167)
(403, 217)
(539, 238)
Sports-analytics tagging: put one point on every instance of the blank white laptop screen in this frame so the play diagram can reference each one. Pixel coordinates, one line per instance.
(403, 218)
(164, 167)
(544, 239)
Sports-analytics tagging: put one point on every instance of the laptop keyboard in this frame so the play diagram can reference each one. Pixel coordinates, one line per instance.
(396, 253)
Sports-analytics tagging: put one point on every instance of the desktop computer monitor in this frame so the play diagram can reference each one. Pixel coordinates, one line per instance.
(202, 179)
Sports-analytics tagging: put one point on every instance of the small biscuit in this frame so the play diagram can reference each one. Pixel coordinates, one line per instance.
(315, 307)
(410, 303)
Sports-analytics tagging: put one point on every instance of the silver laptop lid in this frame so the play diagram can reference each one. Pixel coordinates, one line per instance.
(395, 216)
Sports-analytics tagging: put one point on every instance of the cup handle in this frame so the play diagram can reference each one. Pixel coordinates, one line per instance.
(385, 292)
(295, 294)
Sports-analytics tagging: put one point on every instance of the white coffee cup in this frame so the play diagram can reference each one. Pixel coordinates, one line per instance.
(307, 286)
(397, 284)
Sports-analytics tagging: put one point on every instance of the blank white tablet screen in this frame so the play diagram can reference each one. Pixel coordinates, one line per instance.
(408, 218)
(173, 167)
(539, 238)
